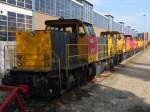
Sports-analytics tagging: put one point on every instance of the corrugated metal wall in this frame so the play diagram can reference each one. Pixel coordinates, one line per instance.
(100, 21)
(109, 24)
(116, 27)
(125, 30)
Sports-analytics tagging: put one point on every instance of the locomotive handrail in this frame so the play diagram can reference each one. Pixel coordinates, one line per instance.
(13, 62)
(59, 62)
(77, 44)
(78, 55)
(68, 56)
(10, 57)
(72, 56)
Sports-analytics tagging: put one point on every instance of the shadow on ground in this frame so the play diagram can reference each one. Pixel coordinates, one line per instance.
(136, 72)
(132, 62)
(93, 98)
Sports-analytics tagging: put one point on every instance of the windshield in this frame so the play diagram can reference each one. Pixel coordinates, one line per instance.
(90, 30)
(67, 28)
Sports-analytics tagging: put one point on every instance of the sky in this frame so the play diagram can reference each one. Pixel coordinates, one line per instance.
(131, 12)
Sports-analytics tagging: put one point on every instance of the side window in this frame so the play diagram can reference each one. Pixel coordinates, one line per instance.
(61, 29)
(68, 29)
(115, 36)
(105, 36)
(90, 30)
(81, 31)
(93, 30)
(52, 28)
(119, 37)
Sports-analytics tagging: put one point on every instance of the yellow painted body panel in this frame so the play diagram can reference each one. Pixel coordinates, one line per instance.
(119, 45)
(93, 57)
(138, 43)
(142, 43)
(82, 49)
(34, 50)
(111, 49)
(127, 45)
(124, 46)
(109, 45)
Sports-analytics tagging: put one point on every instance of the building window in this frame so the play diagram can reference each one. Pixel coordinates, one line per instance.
(3, 28)
(100, 21)
(12, 2)
(87, 12)
(28, 4)
(77, 11)
(12, 23)
(37, 5)
(20, 3)
(2, 0)
(48, 6)
(20, 22)
(63, 8)
(42, 5)
(28, 22)
(53, 7)
(11, 26)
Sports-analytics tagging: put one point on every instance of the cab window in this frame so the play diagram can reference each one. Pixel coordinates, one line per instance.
(90, 30)
(119, 37)
(61, 28)
(81, 31)
(68, 29)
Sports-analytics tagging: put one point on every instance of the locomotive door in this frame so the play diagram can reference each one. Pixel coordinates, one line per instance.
(82, 43)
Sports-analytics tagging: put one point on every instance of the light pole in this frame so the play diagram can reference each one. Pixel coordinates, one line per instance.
(144, 22)
(144, 29)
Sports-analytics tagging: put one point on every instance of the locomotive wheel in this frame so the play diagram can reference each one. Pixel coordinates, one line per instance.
(78, 75)
(84, 72)
(43, 87)
(102, 67)
(111, 63)
(8, 81)
(121, 58)
(108, 64)
(91, 72)
(69, 81)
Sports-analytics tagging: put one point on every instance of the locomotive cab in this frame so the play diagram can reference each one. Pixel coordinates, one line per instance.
(84, 39)
(114, 42)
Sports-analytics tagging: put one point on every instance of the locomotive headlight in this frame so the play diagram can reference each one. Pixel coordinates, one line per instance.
(19, 64)
(19, 60)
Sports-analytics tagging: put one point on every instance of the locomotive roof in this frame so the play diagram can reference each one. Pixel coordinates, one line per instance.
(110, 32)
(128, 35)
(64, 22)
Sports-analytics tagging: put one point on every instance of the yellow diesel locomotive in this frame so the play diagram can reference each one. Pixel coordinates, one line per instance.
(65, 54)
(59, 57)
